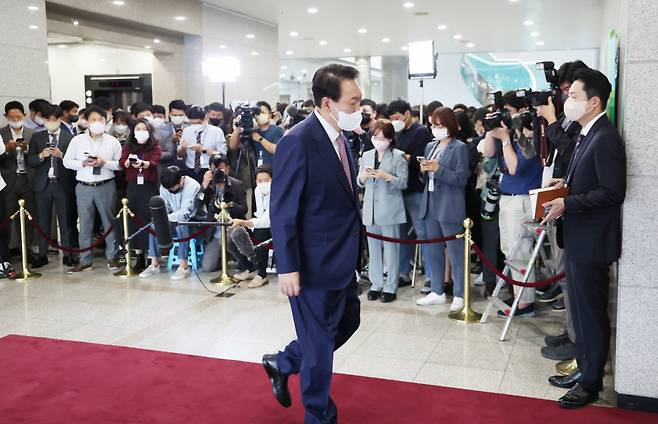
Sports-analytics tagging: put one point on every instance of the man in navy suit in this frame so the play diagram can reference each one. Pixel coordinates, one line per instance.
(316, 230)
(591, 230)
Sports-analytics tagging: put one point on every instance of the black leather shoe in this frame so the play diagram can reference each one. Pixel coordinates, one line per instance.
(279, 382)
(578, 397)
(560, 352)
(556, 340)
(40, 261)
(403, 282)
(388, 297)
(565, 381)
(68, 261)
(373, 295)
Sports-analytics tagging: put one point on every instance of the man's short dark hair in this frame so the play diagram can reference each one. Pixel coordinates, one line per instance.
(170, 176)
(369, 102)
(510, 98)
(567, 71)
(218, 160)
(68, 105)
(94, 109)
(159, 109)
(53, 111)
(432, 106)
(480, 114)
(14, 104)
(381, 109)
(398, 106)
(460, 106)
(103, 103)
(38, 105)
(308, 103)
(326, 81)
(215, 107)
(595, 84)
(264, 169)
(140, 107)
(264, 103)
(196, 112)
(178, 105)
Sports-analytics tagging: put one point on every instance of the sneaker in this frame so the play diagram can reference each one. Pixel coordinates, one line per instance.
(258, 281)
(181, 273)
(7, 271)
(79, 268)
(427, 288)
(245, 275)
(431, 299)
(457, 304)
(149, 271)
(479, 281)
(551, 294)
(559, 305)
(527, 312)
(113, 264)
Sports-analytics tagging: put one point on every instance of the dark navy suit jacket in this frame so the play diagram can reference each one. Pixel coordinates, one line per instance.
(315, 218)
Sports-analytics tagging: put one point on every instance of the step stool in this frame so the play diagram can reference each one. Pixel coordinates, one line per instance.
(194, 256)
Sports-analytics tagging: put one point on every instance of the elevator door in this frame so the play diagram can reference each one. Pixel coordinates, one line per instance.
(121, 90)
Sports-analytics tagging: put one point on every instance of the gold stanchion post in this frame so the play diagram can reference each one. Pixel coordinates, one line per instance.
(467, 314)
(126, 271)
(25, 274)
(223, 217)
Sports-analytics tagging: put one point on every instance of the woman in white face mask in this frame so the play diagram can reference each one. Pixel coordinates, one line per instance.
(383, 172)
(140, 155)
(445, 171)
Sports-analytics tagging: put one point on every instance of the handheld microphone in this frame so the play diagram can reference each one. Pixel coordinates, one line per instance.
(161, 222)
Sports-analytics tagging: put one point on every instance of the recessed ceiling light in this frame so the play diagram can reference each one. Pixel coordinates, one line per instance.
(299, 78)
(304, 71)
(62, 46)
(470, 45)
(442, 27)
(147, 47)
(32, 8)
(102, 59)
(293, 33)
(408, 5)
(250, 36)
(312, 10)
(33, 27)
(528, 22)
(534, 34)
(289, 53)
(540, 43)
(513, 1)
(180, 18)
(282, 75)
(156, 40)
(457, 36)
(362, 30)
(322, 42)
(222, 46)
(347, 50)
(254, 53)
(76, 23)
(284, 67)
(118, 2)
(386, 40)
(404, 48)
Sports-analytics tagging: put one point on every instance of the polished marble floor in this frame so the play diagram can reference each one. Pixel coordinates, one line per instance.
(398, 341)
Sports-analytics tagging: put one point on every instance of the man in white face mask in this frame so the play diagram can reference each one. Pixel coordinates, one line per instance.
(591, 227)
(316, 227)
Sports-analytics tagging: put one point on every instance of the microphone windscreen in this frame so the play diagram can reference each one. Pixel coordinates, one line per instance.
(161, 222)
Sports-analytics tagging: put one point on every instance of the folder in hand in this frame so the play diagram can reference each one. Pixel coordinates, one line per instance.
(542, 195)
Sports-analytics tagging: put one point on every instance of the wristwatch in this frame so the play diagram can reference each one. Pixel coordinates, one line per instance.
(506, 143)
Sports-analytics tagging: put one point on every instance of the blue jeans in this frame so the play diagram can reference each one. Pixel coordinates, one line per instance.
(177, 231)
(412, 205)
(455, 249)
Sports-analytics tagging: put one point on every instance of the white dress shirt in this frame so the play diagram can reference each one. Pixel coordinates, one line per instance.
(591, 123)
(331, 133)
(262, 214)
(211, 137)
(3, 184)
(82, 146)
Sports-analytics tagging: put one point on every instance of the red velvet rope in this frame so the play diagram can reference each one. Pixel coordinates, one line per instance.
(509, 280)
(56, 245)
(401, 241)
(5, 223)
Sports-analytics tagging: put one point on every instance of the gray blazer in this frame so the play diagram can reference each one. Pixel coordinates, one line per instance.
(382, 201)
(8, 163)
(446, 202)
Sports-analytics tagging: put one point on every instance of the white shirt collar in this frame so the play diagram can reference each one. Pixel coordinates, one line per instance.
(329, 129)
(590, 124)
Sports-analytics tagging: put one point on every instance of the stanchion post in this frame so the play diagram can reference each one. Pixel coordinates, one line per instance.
(125, 213)
(223, 217)
(25, 274)
(467, 314)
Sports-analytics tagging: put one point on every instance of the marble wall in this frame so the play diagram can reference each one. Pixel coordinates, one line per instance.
(636, 370)
(24, 46)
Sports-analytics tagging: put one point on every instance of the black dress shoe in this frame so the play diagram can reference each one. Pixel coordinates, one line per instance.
(373, 295)
(560, 352)
(279, 382)
(578, 397)
(39, 262)
(556, 340)
(388, 297)
(565, 381)
(403, 282)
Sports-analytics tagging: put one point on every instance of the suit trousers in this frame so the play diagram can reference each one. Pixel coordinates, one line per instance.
(4, 238)
(54, 194)
(100, 198)
(560, 265)
(588, 287)
(391, 256)
(324, 321)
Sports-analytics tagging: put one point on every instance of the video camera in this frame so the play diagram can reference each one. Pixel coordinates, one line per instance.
(495, 119)
(246, 114)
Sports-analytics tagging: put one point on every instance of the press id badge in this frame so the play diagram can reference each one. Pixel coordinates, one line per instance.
(51, 173)
(430, 186)
(140, 178)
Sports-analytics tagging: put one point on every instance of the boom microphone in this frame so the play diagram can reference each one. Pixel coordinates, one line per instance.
(161, 222)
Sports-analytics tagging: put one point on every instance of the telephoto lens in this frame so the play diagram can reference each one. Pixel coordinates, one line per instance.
(490, 205)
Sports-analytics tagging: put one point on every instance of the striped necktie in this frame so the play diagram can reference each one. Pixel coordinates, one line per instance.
(342, 152)
(197, 155)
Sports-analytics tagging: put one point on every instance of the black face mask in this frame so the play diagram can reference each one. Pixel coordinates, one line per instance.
(73, 119)
(215, 121)
(178, 190)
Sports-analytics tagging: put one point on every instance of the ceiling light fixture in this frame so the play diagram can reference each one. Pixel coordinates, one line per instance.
(76, 23)
(284, 67)
(62, 46)
(457, 36)
(312, 10)
(293, 33)
(156, 40)
(470, 45)
(322, 42)
(442, 27)
(540, 43)
(33, 27)
(408, 5)
(147, 47)
(180, 18)
(32, 8)
(362, 30)
(386, 40)
(254, 53)
(282, 75)
(534, 34)
(222, 46)
(118, 2)
(528, 22)
(404, 48)
(347, 50)
(250, 36)
(289, 53)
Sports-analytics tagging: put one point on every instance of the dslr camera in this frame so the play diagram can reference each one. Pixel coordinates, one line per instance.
(495, 119)
(246, 114)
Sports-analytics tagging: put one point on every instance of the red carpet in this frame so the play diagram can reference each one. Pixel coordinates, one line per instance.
(54, 381)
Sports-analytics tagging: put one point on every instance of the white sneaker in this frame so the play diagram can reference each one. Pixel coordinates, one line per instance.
(149, 271)
(181, 273)
(431, 299)
(258, 281)
(480, 280)
(457, 304)
(245, 275)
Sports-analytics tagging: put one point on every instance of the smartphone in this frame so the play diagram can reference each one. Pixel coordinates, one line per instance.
(132, 158)
(420, 158)
(92, 158)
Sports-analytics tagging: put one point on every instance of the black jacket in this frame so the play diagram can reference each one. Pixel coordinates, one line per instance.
(37, 144)
(592, 216)
(236, 188)
(563, 143)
